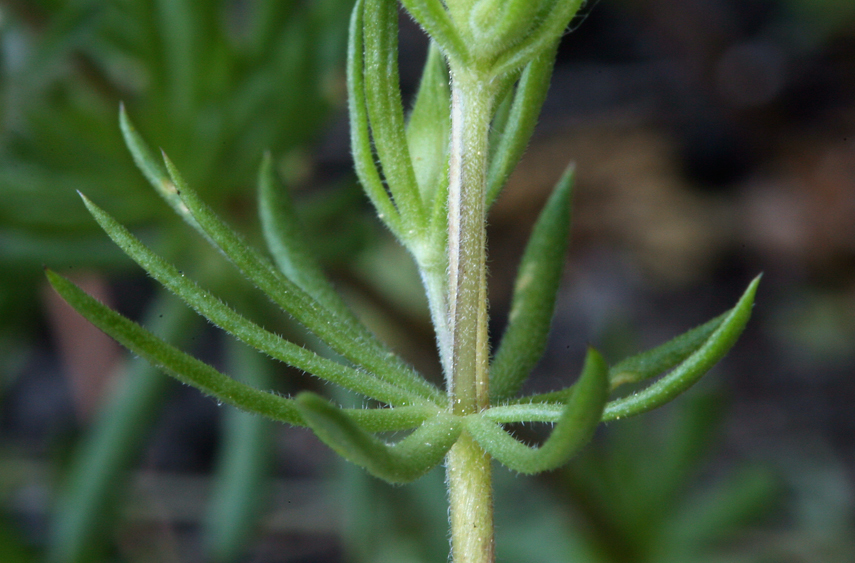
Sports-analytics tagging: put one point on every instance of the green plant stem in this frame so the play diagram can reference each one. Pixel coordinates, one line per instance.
(471, 110)
(468, 466)
(435, 282)
(470, 493)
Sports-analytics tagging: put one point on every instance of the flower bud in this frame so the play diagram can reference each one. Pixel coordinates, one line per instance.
(497, 25)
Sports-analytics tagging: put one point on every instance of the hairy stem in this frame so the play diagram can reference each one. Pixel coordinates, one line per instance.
(468, 466)
(434, 281)
(471, 109)
(470, 493)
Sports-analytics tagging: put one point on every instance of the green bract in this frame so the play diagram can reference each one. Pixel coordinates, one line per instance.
(431, 173)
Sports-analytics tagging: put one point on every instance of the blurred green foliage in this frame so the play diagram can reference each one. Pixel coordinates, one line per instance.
(214, 83)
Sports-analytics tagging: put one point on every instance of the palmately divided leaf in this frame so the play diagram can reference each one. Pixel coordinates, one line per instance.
(402, 462)
(168, 182)
(344, 334)
(226, 318)
(535, 290)
(576, 425)
(692, 368)
(191, 371)
(176, 363)
(548, 407)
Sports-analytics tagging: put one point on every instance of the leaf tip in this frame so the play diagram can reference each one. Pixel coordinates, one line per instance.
(752, 287)
(53, 278)
(125, 123)
(90, 205)
(166, 160)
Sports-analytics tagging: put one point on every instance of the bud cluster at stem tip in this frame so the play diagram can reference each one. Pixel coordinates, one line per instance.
(493, 37)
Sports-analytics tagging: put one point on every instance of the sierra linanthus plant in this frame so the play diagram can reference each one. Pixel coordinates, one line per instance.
(432, 176)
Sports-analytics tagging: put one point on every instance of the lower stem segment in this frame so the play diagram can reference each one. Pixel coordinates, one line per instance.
(468, 469)
(470, 493)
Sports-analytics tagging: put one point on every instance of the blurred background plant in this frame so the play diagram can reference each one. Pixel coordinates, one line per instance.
(714, 138)
(217, 83)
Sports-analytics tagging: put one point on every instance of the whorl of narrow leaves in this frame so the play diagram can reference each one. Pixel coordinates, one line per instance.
(576, 424)
(403, 163)
(311, 299)
(402, 462)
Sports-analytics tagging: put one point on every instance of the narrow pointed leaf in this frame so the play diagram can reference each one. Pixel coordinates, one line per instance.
(439, 218)
(284, 234)
(173, 361)
(166, 184)
(527, 412)
(346, 336)
(525, 109)
(535, 290)
(189, 370)
(385, 109)
(434, 19)
(360, 135)
(648, 364)
(392, 418)
(429, 125)
(692, 368)
(579, 419)
(504, 102)
(226, 318)
(402, 462)
(540, 38)
(664, 357)
(152, 168)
